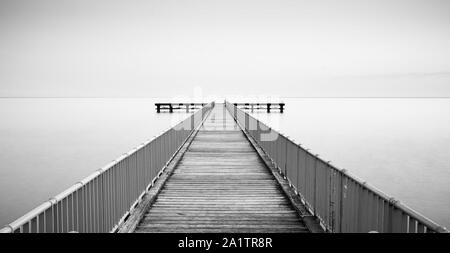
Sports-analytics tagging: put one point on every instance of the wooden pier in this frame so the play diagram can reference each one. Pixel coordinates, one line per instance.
(221, 170)
(220, 185)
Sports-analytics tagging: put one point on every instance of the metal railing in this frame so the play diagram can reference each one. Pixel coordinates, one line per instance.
(103, 200)
(339, 200)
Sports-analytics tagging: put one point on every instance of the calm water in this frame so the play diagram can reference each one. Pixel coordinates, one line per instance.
(401, 146)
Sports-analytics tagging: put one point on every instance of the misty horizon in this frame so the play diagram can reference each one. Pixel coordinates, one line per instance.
(168, 48)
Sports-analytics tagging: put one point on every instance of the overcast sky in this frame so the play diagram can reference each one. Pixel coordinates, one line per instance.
(166, 48)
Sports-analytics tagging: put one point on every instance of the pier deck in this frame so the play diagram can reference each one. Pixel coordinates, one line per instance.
(221, 185)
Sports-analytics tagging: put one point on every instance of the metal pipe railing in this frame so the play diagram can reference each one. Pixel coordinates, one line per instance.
(104, 199)
(341, 201)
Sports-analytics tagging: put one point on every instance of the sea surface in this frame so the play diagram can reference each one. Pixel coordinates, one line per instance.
(401, 146)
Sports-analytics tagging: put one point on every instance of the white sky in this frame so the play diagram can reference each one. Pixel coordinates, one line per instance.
(165, 48)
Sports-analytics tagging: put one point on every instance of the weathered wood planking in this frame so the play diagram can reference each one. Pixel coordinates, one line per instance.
(221, 185)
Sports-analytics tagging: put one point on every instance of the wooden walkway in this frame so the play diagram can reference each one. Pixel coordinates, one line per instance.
(221, 185)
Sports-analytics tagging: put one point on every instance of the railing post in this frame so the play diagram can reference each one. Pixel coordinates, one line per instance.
(285, 158)
(315, 185)
(341, 199)
(332, 196)
(246, 121)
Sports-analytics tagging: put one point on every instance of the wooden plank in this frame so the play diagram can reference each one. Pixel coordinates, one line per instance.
(219, 230)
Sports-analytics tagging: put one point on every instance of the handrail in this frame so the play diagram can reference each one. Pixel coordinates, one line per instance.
(102, 201)
(341, 201)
